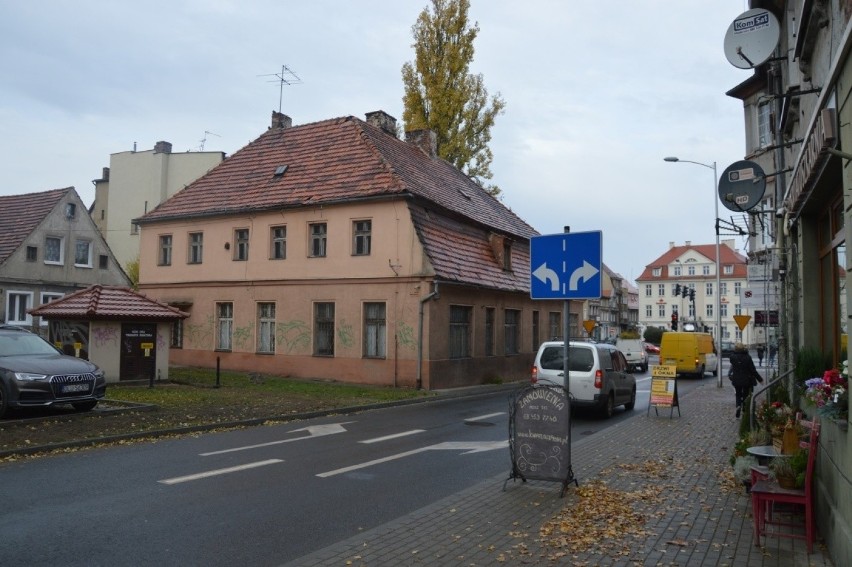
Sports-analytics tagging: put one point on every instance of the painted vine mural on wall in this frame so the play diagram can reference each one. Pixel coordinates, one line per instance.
(243, 337)
(200, 336)
(293, 335)
(344, 334)
(405, 335)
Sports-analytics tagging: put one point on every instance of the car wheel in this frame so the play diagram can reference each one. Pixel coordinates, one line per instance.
(645, 368)
(85, 406)
(609, 406)
(632, 403)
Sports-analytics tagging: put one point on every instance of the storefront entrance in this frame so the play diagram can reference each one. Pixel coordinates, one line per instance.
(138, 351)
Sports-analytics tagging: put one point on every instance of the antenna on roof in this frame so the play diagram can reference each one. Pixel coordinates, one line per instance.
(204, 139)
(285, 77)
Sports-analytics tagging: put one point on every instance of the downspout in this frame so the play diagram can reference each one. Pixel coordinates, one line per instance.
(423, 300)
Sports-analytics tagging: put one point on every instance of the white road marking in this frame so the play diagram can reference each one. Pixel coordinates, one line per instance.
(217, 472)
(314, 430)
(486, 416)
(394, 436)
(473, 447)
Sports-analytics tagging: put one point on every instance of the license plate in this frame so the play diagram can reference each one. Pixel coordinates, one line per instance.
(68, 388)
(671, 361)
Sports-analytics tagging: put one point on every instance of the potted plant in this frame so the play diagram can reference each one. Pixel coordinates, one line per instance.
(742, 470)
(782, 470)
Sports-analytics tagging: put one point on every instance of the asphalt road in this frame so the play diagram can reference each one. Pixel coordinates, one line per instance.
(258, 496)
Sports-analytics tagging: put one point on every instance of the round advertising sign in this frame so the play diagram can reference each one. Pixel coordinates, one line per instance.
(742, 186)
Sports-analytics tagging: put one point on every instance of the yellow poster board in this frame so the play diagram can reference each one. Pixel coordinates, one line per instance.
(664, 388)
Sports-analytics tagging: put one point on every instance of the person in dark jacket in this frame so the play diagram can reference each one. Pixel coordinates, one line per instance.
(743, 375)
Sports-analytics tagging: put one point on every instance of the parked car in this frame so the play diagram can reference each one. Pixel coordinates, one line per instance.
(599, 376)
(651, 348)
(634, 352)
(33, 373)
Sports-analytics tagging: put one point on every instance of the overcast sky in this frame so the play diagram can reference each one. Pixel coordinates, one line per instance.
(597, 94)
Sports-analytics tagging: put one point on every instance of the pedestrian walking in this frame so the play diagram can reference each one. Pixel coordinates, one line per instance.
(760, 351)
(773, 350)
(742, 374)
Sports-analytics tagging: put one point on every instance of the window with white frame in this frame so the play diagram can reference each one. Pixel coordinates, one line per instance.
(47, 297)
(361, 237)
(375, 326)
(723, 309)
(266, 328)
(83, 254)
(165, 255)
(661, 289)
(649, 311)
(708, 310)
(677, 270)
(729, 269)
(690, 270)
(196, 247)
(708, 288)
(224, 325)
(737, 309)
(764, 125)
(648, 290)
(661, 310)
(241, 244)
(738, 286)
(318, 236)
(657, 272)
(705, 269)
(723, 288)
(17, 303)
(278, 242)
(54, 250)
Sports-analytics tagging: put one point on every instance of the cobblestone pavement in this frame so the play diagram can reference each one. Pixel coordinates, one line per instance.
(674, 473)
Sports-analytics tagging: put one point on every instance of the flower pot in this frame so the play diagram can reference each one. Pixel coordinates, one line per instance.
(786, 481)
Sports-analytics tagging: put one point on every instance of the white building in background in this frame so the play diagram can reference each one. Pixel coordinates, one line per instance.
(693, 267)
(135, 183)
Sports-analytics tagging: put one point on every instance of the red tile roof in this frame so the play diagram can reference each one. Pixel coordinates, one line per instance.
(20, 215)
(728, 255)
(461, 253)
(108, 303)
(334, 161)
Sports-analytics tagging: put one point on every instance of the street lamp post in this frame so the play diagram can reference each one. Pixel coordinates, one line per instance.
(718, 291)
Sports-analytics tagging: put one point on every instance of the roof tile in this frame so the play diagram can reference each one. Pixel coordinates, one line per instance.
(108, 303)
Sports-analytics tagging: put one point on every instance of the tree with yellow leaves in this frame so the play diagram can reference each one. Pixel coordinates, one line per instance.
(443, 96)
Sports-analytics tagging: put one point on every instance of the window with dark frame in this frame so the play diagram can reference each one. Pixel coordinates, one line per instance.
(375, 324)
(103, 261)
(323, 329)
(176, 339)
(278, 242)
(32, 253)
(361, 237)
(554, 325)
(507, 255)
(460, 332)
(536, 339)
(489, 331)
(318, 235)
(511, 331)
(266, 328)
(241, 244)
(165, 256)
(196, 247)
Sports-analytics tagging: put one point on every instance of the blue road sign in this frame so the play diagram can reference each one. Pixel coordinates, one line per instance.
(566, 266)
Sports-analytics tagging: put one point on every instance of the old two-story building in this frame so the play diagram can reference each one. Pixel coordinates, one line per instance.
(49, 247)
(335, 250)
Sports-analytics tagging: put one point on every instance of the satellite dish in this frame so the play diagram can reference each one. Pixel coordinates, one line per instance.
(742, 186)
(751, 38)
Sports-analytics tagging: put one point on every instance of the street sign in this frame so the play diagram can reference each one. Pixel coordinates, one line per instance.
(566, 266)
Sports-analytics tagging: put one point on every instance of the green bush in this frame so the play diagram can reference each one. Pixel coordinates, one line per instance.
(653, 335)
(810, 362)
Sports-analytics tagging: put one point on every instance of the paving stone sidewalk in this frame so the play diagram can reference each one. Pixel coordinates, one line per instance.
(674, 472)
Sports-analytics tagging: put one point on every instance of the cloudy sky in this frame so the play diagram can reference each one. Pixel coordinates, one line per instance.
(597, 93)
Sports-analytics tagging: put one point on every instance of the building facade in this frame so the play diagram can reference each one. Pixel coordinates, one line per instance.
(336, 250)
(137, 181)
(682, 281)
(797, 117)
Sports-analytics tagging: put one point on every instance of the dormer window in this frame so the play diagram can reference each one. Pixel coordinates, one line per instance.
(280, 170)
(507, 255)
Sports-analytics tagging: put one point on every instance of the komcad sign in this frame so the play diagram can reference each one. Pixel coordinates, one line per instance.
(749, 24)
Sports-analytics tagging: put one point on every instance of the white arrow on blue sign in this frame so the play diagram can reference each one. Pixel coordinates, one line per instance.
(566, 266)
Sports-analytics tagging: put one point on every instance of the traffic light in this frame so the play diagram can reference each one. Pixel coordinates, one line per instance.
(692, 294)
(674, 321)
(677, 289)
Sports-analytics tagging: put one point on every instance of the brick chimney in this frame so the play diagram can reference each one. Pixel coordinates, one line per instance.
(162, 148)
(383, 121)
(281, 120)
(424, 139)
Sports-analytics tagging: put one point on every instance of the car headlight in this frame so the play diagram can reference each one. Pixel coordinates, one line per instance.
(29, 377)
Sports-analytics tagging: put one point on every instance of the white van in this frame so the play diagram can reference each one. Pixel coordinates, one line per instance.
(599, 375)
